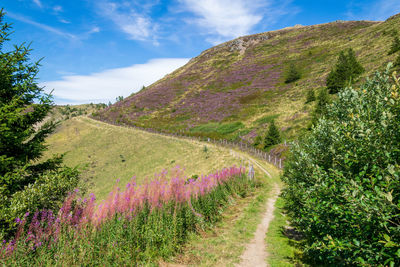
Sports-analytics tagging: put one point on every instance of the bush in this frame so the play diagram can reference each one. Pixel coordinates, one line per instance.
(133, 227)
(395, 45)
(293, 74)
(345, 72)
(343, 179)
(273, 136)
(310, 96)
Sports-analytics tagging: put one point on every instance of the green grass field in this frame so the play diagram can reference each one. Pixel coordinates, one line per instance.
(110, 152)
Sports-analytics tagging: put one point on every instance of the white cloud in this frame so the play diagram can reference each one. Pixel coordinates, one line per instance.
(380, 10)
(137, 25)
(107, 85)
(228, 19)
(383, 9)
(65, 21)
(38, 3)
(41, 26)
(57, 9)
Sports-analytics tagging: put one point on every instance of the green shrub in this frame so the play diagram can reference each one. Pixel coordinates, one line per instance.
(395, 45)
(293, 74)
(343, 179)
(139, 238)
(267, 119)
(219, 129)
(310, 96)
(345, 72)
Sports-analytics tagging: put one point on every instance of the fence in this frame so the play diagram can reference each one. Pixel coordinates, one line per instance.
(242, 146)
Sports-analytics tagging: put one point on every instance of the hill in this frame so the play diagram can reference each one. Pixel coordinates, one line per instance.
(235, 89)
(110, 152)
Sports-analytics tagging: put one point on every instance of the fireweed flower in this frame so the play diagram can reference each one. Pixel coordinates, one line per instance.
(75, 214)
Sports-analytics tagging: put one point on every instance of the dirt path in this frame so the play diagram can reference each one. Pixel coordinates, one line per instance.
(255, 253)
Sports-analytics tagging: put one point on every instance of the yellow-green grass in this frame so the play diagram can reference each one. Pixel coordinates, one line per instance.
(111, 152)
(225, 243)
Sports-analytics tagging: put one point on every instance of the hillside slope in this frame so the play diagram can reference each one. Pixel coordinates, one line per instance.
(235, 89)
(110, 153)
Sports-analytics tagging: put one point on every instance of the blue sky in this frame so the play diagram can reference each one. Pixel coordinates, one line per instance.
(96, 50)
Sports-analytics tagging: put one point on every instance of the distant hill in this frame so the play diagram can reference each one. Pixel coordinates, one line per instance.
(235, 89)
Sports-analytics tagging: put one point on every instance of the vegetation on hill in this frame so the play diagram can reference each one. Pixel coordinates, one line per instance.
(273, 136)
(108, 153)
(243, 81)
(293, 74)
(345, 72)
(343, 178)
(310, 96)
(25, 184)
(149, 221)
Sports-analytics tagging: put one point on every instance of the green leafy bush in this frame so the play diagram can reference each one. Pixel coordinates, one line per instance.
(343, 179)
(346, 71)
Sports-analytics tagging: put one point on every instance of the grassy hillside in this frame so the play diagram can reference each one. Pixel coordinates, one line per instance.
(235, 89)
(65, 112)
(112, 152)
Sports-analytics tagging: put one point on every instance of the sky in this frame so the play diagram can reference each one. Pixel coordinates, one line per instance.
(97, 50)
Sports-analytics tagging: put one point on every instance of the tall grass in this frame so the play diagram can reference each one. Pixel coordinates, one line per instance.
(136, 225)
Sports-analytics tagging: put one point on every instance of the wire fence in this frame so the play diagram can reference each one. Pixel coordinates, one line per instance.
(242, 146)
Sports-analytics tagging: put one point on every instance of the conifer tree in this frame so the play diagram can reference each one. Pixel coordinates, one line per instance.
(26, 184)
(321, 106)
(257, 141)
(293, 74)
(273, 136)
(345, 72)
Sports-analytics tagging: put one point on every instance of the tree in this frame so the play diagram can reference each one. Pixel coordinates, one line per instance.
(395, 47)
(293, 74)
(310, 96)
(257, 141)
(343, 186)
(345, 72)
(27, 183)
(273, 136)
(320, 109)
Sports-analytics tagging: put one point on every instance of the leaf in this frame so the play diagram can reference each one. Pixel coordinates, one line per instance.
(389, 196)
(386, 237)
